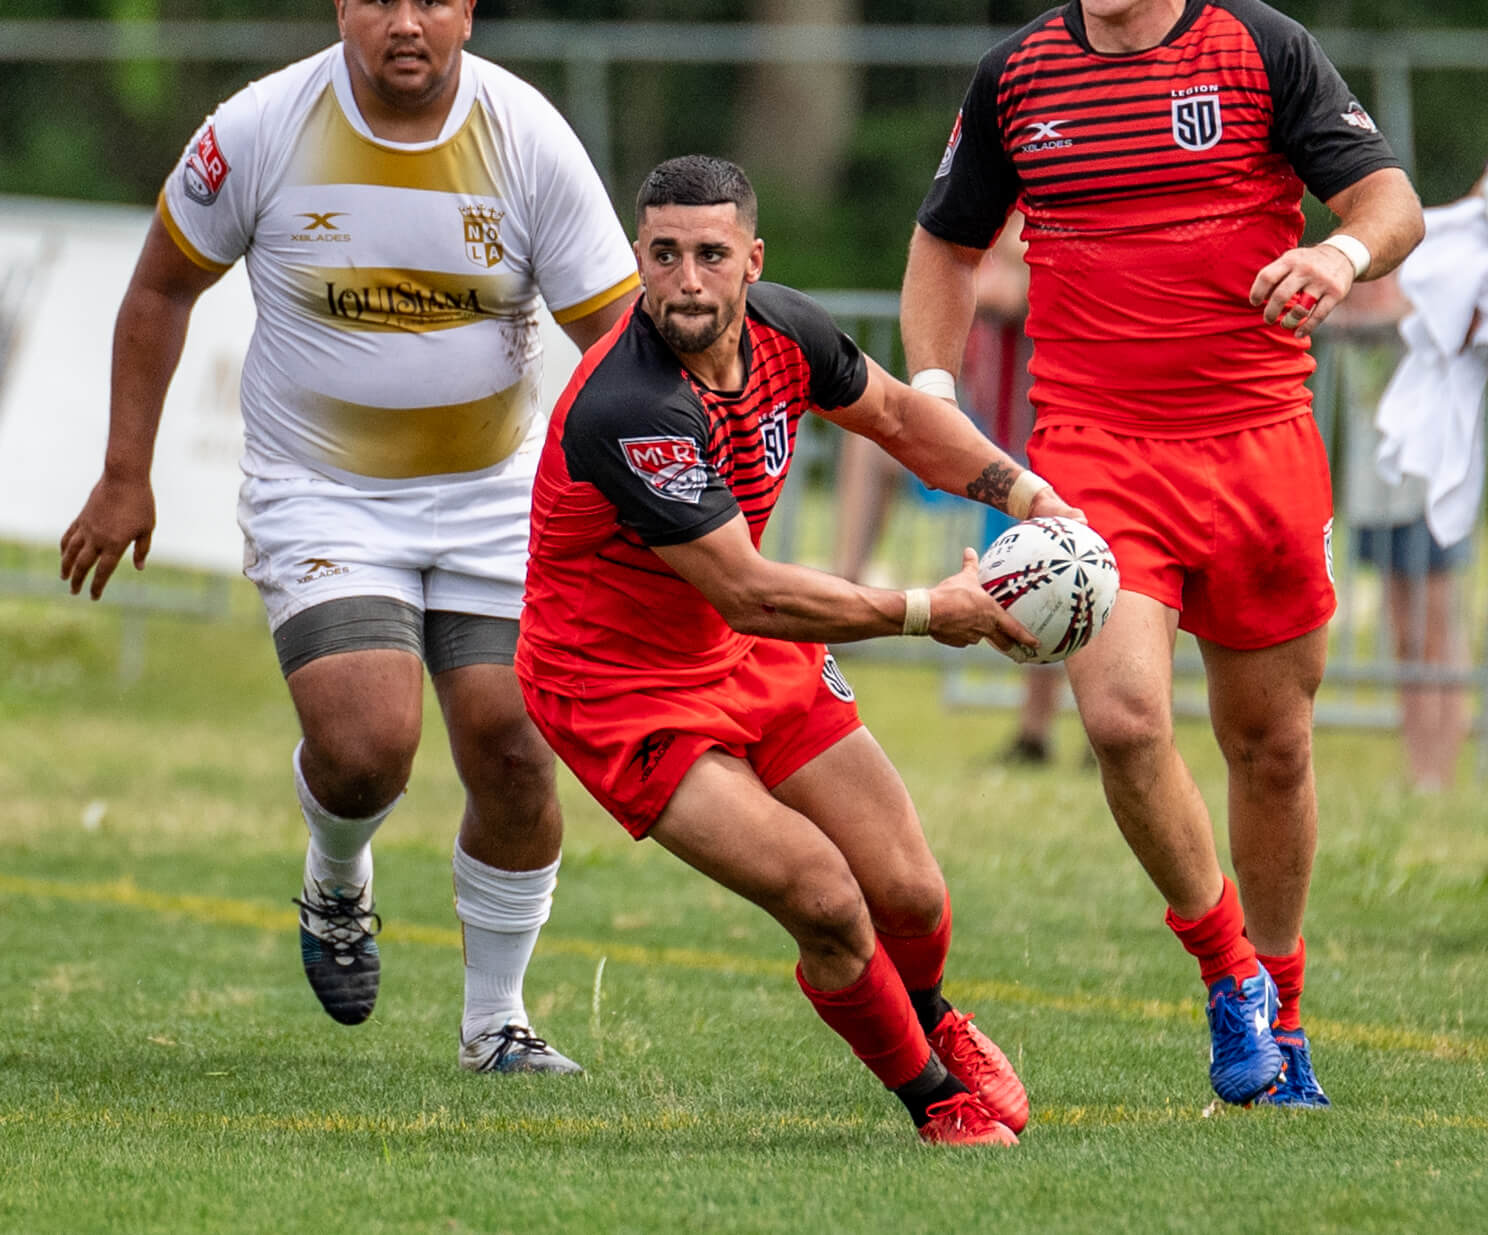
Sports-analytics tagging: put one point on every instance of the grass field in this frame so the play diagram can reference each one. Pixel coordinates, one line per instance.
(164, 1068)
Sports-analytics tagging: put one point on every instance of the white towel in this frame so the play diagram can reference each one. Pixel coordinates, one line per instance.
(1431, 413)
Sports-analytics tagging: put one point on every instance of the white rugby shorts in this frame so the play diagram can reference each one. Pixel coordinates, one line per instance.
(456, 543)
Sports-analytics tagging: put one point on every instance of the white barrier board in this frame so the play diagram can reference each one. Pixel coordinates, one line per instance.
(63, 271)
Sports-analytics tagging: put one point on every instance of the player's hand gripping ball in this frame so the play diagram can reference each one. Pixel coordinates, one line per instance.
(1056, 576)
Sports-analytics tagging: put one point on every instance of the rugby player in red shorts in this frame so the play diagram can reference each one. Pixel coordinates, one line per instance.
(1158, 151)
(682, 676)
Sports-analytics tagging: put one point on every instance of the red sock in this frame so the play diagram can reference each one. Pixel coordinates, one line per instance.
(1218, 939)
(1287, 973)
(875, 1018)
(920, 959)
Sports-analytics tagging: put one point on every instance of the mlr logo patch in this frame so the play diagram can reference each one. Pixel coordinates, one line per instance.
(669, 465)
(206, 169)
(950, 150)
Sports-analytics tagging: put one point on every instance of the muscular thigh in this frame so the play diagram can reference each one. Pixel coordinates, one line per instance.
(721, 820)
(855, 796)
(1123, 680)
(1265, 692)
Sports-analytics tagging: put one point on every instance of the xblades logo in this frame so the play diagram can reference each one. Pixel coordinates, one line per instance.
(1045, 135)
(320, 568)
(650, 752)
(320, 226)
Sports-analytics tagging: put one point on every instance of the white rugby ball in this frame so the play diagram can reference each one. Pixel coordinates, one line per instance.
(1056, 576)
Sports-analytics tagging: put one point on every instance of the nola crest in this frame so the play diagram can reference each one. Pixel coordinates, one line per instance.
(483, 234)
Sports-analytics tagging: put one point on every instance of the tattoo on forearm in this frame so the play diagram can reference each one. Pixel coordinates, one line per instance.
(993, 485)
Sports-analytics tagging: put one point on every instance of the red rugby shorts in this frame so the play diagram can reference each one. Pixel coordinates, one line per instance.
(1234, 531)
(783, 705)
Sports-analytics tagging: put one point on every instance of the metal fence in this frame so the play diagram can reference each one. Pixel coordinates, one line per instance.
(1365, 678)
(590, 51)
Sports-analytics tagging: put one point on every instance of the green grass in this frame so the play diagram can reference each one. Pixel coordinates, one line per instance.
(164, 1068)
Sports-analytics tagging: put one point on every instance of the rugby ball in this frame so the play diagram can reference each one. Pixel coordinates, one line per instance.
(1056, 576)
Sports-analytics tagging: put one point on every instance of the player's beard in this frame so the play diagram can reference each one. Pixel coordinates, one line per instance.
(691, 333)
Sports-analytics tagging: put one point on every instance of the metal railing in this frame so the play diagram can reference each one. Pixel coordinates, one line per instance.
(1364, 675)
(588, 51)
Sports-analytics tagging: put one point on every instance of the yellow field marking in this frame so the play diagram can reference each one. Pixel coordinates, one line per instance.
(219, 911)
(666, 1120)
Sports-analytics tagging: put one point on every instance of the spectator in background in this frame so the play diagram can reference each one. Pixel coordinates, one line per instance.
(1388, 522)
(993, 387)
(1418, 489)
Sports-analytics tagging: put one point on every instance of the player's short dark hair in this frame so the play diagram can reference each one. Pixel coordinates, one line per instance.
(699, 180)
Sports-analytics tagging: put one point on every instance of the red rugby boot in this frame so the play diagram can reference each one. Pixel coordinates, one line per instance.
(975, 1060)
(963, 1119)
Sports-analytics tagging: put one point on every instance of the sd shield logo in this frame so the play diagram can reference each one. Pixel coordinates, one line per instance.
(670, 465)
(1196, 122)
(775, 434)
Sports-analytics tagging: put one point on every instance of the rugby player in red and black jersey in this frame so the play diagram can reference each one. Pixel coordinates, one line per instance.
(682, 676)
(1158, 150)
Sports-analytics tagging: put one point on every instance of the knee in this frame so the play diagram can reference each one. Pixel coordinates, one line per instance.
(827, 915)
(1274, 757)
(509, 760)
(1125, 731)
(911, 906)
(355, 771)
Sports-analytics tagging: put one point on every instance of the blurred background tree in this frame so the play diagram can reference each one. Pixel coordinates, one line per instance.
(841, 153)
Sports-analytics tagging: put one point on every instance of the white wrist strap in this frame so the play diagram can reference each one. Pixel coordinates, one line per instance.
(917, 611)
(938, 382)
(1020, 497)
(1354, 249)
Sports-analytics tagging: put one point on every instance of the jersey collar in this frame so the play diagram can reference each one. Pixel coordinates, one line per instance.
(1074, 20)
(459, 109)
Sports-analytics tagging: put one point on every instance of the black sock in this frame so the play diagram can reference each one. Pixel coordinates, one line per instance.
(934, 1084)
(930, 1006)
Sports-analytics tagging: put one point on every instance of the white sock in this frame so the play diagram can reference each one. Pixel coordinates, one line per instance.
(501, 914)
(340, 851)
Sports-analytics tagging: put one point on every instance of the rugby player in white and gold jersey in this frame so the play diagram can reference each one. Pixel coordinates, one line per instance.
(401, 206)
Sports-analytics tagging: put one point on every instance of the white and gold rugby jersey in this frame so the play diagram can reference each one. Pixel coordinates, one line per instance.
(396, 285)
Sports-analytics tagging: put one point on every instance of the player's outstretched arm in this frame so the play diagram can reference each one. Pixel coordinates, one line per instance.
(758, 596)
(937, 442)
(148, 336)
(1380, 222)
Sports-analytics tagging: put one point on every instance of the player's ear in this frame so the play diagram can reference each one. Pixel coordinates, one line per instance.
(756, 266)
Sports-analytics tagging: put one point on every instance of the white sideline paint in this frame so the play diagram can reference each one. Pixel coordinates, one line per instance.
(64, 267)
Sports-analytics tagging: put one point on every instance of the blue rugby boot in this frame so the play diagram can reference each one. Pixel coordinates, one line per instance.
(338, 948)
(1244, 1060)
(1299, 1084)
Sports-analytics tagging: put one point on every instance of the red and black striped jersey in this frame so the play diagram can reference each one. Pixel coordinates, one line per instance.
(639, 453)
(1155, 186)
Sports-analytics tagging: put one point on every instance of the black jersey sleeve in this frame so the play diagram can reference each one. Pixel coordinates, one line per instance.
(1328, 138)
(976, 184)
(839, 374)
(647, 455)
